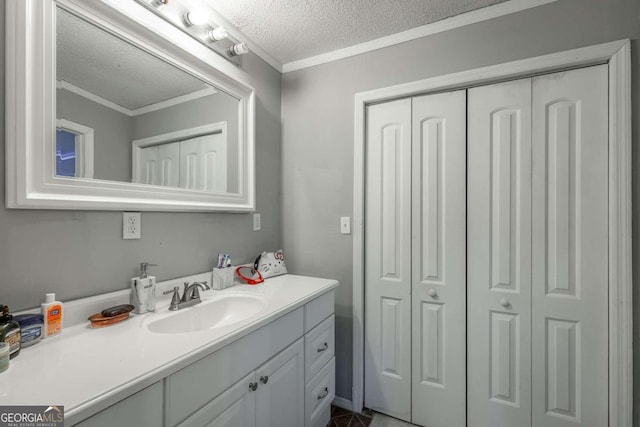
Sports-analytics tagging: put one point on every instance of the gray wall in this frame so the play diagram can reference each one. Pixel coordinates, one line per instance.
(81, 253)
(111, 138)
(317, 111)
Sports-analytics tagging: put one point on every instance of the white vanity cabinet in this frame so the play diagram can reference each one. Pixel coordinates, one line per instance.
(280, 375)
(283, 346)
(292, 388)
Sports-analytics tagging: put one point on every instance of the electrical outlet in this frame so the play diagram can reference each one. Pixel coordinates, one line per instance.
(256, 222)
(345, 225)
(131, 225)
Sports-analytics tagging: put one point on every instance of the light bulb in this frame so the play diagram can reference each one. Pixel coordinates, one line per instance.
(218, 34)
(238, 49)
(196, 17)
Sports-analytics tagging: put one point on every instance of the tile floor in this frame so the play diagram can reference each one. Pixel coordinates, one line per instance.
(344, 418)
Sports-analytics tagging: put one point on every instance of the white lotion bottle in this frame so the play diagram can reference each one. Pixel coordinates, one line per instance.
(143, 291)
(52, 313)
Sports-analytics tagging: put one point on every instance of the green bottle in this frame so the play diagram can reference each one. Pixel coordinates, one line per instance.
(10, 331)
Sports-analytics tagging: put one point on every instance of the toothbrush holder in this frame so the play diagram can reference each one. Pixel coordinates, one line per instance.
(222, 278)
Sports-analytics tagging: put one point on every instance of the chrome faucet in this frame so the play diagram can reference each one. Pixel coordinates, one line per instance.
(190, 296)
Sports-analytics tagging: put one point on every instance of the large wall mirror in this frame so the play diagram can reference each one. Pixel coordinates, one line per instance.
(110, 107)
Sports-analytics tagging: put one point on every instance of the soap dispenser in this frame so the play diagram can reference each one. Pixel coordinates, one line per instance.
(143, 291)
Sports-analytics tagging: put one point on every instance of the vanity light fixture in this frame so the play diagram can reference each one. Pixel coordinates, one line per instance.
(218, 34)
(196, 17)
(199, 22)
(238, 49)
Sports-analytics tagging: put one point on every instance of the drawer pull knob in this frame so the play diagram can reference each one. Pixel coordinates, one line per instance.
(264, 379)
(323, 348)
(253, 386)
(324, 394)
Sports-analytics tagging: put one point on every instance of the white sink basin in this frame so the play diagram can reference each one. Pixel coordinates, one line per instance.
(223, 310)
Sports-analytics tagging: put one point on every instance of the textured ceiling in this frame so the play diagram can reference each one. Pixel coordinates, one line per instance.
(291, 30)
(104, 65)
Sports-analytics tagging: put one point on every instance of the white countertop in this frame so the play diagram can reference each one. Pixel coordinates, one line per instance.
(84, 366)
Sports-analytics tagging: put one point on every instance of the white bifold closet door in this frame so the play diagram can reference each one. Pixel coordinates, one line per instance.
(415, 259)
(570, 249)
(439, 260)
(537, 228)
(499, 255)
(388, 259)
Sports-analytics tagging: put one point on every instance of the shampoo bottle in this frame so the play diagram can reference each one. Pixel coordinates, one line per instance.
(52, 312)
(143, 291)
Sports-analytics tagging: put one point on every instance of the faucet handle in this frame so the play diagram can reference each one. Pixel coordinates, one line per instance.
(204, 285)
(174, 290)
(175, 300)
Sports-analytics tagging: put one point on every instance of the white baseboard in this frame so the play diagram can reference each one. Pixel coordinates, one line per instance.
(343, 403)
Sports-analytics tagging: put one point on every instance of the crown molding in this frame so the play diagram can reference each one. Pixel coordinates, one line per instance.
(468, 18)
(62, 84)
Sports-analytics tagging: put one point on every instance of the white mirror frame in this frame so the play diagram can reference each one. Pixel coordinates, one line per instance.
(31, 119)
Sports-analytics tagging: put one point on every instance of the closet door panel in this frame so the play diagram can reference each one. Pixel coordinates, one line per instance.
(499, 255)
(570, 256)
(439, 260)
(388, 259)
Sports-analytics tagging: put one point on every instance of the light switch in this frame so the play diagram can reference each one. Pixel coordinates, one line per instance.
(256, 222)
(345, 225)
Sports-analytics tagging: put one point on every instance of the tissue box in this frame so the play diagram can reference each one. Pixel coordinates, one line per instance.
(222, 278)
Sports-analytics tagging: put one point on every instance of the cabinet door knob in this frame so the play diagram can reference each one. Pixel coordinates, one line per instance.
(324, 394)
(324, 347)
(253, 386)
(264, 379)
(432, 293)
(504, 302)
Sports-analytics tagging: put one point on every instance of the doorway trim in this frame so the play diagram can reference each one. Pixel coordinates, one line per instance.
(617, 55)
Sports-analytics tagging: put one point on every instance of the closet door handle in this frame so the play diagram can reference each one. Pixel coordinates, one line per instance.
(432, 293)
(253, 386)
(504, 302)
(264, 379)
(324, 347)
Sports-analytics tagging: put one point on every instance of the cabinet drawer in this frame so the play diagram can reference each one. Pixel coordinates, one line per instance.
(319, 347)
(319, 394)
(317, 310)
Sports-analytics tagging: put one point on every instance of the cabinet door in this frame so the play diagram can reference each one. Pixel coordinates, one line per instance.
(280, 396)
(235, 407)
(143, 409)
(499, 255)
(439, 260)
(387, 347)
